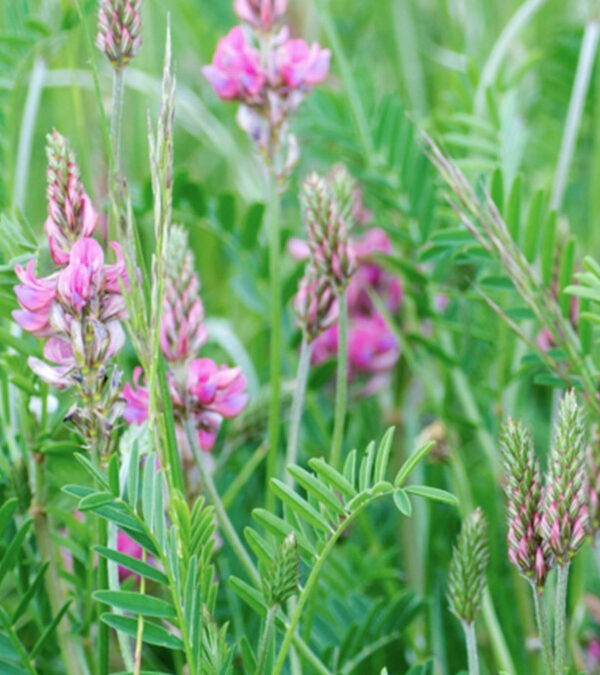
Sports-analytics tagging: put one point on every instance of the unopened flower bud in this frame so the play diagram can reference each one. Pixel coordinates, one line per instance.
(315, 304)
(71, 215)
(119, 30)
(260, 13)
(327, 235)
(466, 579)
(527, 548)
(281, 579)
(565, 517)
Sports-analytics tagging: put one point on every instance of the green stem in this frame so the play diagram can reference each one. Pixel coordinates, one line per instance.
(297, 407)
(213, 496)
(116, 119)
(235, 543)
(266, 639)
(103, 630)
(560, 619)
(341, 384)
(585, 65)
(471, 640)
(114, 585)
(542, 622)
(54, 586)
(275, 361)
(140, 628)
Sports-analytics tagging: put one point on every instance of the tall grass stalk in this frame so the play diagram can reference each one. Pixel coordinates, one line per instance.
(116, 120)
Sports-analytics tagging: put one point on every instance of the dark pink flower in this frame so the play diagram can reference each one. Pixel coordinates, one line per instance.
(216, 388)
(235, 72)
(136, 397)
(300, 65)
(35, 297)
(260, 13)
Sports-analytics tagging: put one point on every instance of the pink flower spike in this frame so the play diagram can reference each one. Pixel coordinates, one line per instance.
(235, 72)
(299, 248)
(36, 297)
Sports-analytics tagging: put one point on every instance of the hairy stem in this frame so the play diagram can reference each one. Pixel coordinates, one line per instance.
(341, 384)
(587, 56)
(542, 622)
(266, 640)
(116, 120)
(54, 586)
(297, 407)
(560, 619)
(471, 640)
(275, 360)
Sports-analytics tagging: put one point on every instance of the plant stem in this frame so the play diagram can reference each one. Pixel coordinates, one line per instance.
(103, 642)
(275, 361)
(341, 384)
(471, 641)
(585, 65)
(117, 117)
(542, 622)
(114, 585)
(560, 619)
(298, 407)
(213, 496)
(54, 586)
(140, 628)
(234, 541)
(266, 639)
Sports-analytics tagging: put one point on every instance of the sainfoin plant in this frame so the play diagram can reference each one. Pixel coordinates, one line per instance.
(298, 338)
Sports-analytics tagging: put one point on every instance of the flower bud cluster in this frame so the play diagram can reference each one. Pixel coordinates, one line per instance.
(373, 349)
(467, 575)
(548, 524)
(527, 548)
(119, 30)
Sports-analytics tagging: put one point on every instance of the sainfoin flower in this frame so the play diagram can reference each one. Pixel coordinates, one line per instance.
(300, 65)
(270, 74)
(236, 72)
(527, 548)
(565, 518)
(260, 13)
(79, 307)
